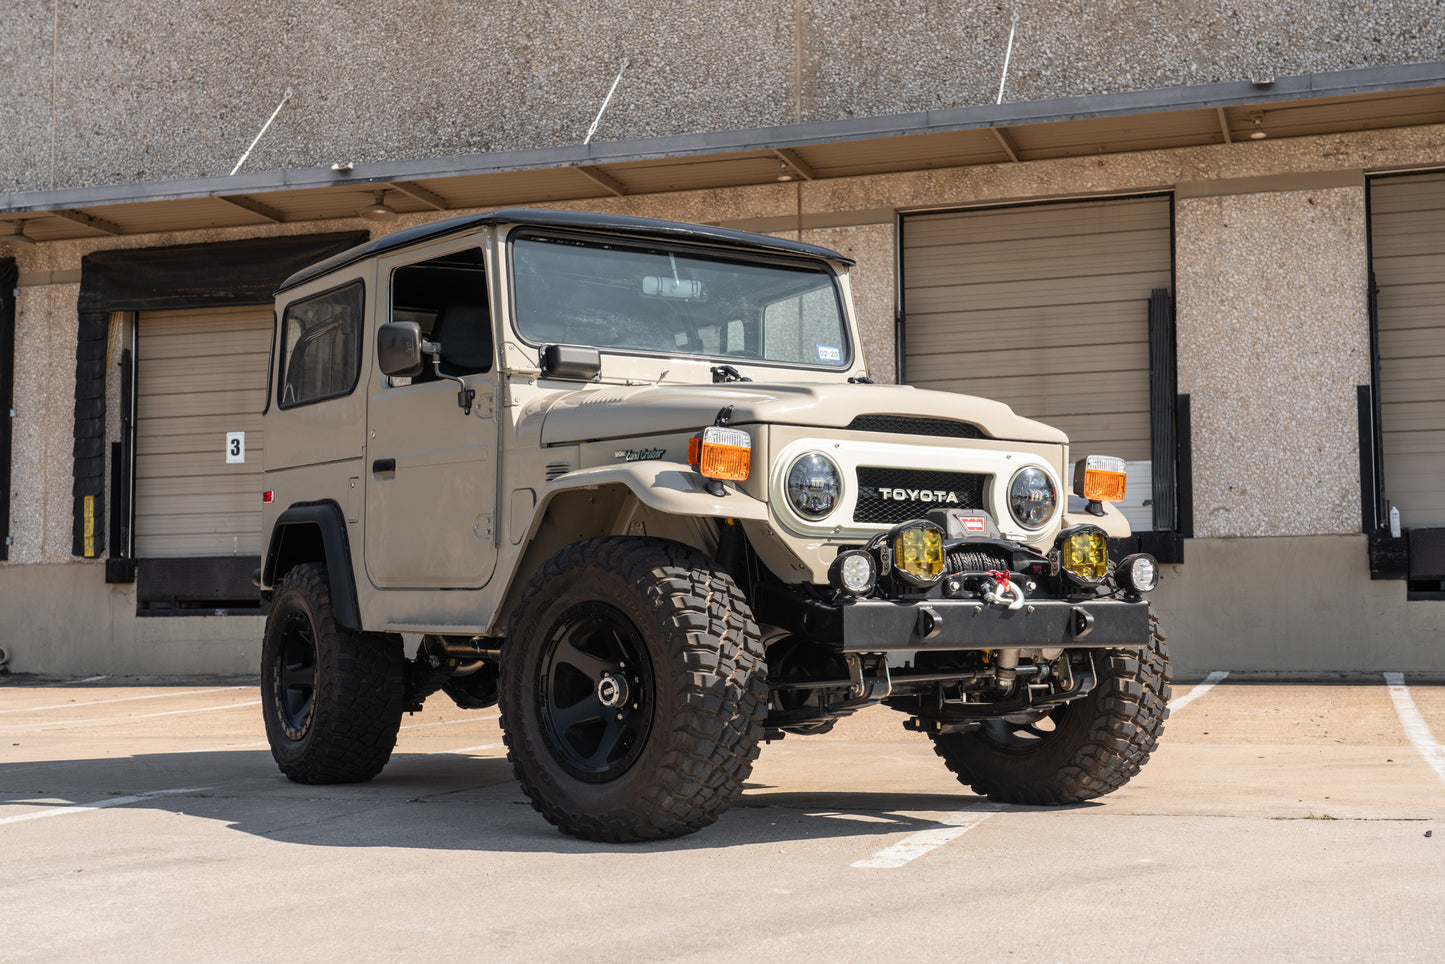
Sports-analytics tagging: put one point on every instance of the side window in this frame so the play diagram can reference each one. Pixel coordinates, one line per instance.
(321, 343)
(447, 297)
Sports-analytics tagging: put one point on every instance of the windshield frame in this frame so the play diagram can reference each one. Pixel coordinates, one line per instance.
(652, 244)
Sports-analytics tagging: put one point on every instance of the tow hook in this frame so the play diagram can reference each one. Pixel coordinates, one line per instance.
(1000, 590)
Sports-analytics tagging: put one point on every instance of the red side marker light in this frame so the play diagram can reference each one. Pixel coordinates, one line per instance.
(268, 496)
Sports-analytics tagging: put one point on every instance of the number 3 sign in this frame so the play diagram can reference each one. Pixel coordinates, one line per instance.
(235, 447)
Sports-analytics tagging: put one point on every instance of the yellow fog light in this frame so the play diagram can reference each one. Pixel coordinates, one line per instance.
(1084, 554)
(918, 552)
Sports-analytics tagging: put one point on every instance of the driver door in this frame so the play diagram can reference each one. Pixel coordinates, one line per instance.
(431, 471)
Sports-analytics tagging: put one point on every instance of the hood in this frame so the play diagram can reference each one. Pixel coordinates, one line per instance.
(624, 412)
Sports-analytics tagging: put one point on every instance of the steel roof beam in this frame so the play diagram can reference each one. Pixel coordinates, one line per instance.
(603, 180)
(88, 220)
(255, 207)
(425, 195)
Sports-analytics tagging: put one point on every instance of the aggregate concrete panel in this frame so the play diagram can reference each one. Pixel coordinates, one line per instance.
(1273, 340)
(44, 402)
(403, 79)
(26, 96)
(101, 93)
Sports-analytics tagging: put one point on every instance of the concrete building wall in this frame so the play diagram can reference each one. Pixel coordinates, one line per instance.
(1274, 337)
(93, 90)
(1272, 340)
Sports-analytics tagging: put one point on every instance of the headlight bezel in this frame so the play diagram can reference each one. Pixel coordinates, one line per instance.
(838, 484)
(1053, 500)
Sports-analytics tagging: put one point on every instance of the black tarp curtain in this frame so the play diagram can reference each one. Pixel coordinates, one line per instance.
(227, 273)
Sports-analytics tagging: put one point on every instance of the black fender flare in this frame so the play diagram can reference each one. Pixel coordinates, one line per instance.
(321, 529)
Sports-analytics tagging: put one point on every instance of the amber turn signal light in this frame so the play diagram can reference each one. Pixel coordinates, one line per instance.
(721, 453)
(1100, 478)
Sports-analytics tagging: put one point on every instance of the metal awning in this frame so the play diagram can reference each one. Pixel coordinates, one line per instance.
(1356, 100)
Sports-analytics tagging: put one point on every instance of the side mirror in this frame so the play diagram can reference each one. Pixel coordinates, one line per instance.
(398, 348)
(571, 361)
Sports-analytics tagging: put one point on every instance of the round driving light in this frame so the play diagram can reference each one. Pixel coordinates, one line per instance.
(1138, 573)
(1084, 554)
(1032, 497)
(854, 572)
(814, 486)
(918, 552)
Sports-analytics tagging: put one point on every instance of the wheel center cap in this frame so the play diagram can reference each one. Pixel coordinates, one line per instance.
(612, 690)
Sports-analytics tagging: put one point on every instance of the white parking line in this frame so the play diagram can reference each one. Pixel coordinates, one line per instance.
(925, 841)
(470, 719)
(1210, 681)
(1416, 729)
(98, 805)
(119, 720)
(121, 699)
(468, 749)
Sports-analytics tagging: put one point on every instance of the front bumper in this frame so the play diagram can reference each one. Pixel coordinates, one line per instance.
(880, 626)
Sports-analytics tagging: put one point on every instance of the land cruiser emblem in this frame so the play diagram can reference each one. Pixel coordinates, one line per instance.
(639, 455)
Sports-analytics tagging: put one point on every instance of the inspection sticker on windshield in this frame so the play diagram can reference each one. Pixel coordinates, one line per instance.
(830, 353)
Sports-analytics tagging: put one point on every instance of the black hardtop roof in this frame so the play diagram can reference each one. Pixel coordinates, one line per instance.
(671, 230)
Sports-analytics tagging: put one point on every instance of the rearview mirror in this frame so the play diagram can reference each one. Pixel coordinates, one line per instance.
(398, 348)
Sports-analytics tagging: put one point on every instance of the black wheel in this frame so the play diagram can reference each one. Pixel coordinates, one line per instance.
(331, 698)
(1077, 751)
(632, 690)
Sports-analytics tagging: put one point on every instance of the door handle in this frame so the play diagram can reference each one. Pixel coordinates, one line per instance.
(381, 466)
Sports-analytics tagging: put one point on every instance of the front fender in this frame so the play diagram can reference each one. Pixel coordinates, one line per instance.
(669, 487)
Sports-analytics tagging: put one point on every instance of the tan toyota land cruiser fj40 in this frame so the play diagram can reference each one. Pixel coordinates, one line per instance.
(629, 480)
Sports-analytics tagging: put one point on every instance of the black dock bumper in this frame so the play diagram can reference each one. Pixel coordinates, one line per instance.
(877, 626)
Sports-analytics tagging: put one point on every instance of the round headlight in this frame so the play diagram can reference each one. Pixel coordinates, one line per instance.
(814, 486)
(1138, 573)
(1032, 498)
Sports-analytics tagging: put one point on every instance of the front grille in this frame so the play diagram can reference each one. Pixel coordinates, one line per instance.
(912, 425)
(888, 496)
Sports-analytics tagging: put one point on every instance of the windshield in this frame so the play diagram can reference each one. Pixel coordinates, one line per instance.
(678, 301)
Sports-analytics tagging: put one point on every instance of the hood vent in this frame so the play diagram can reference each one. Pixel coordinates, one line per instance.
(912, 425)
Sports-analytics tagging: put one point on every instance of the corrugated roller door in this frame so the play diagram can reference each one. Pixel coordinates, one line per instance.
(1044, 307)
(200, 374)
(1407, 223)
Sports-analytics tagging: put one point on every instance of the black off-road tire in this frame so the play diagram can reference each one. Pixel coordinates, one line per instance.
(656, 622)
(1083, 749)
(331, 698)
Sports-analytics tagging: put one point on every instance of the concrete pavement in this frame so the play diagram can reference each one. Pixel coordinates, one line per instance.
(1276, 822)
